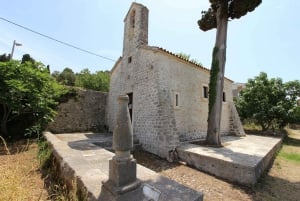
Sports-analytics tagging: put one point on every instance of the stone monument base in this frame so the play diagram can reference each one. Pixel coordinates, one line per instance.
(122, 176)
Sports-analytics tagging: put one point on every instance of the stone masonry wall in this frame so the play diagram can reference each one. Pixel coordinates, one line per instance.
(85, 112)
(190, 116)
(154, 77)
(140, 78)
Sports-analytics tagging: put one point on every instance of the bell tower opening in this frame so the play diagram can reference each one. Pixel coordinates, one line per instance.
(132, 19)
(135, 29)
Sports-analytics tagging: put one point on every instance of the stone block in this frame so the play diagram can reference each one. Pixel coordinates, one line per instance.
(122, 173)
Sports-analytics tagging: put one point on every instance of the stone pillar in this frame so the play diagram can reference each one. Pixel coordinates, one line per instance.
(122, 167)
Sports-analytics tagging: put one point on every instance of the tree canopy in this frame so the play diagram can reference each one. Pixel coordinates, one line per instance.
(66, 77)
(236, 9)
(27, 58)
(26, 89)
(4, 58)
(98, 81)
(269, 103)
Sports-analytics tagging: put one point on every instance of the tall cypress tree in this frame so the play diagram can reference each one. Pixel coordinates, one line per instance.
(217, 16)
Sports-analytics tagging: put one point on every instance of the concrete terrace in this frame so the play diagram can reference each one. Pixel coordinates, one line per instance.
(85, 156)
(81, 156)
(241, 160)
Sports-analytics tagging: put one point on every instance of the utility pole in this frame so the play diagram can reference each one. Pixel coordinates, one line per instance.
(13, 49)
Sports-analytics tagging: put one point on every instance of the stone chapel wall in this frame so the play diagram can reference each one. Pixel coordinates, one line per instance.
(186, 81)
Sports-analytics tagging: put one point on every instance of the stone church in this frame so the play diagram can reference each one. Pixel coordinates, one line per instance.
(168, 94)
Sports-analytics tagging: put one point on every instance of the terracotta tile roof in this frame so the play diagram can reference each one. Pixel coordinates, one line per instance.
(155, 48)
(182, 58)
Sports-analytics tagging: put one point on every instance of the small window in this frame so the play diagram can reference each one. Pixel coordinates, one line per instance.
(132, 19)
(176, 100)
(129, 60)
(205, 92)
(224, 97)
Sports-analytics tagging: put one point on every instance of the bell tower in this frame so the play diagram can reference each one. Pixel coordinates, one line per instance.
(135, 28)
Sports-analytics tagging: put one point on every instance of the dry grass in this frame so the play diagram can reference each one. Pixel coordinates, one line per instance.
(58, 189)
(20, 178)
(28, 172)
(283, 180)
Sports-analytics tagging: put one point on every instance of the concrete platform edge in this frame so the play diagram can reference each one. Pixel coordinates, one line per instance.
(65, 157)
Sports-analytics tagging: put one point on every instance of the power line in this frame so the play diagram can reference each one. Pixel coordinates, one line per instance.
(56, 40)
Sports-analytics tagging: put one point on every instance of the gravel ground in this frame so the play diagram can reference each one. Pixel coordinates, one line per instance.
(212, 187)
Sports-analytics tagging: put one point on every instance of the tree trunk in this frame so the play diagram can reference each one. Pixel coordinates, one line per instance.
(217, 79)
(4, 131)
(3, 124)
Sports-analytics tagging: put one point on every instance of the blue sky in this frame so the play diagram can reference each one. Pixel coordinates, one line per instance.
(264, 40)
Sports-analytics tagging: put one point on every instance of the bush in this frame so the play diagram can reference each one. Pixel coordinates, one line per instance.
(29, 96)
(269, 103)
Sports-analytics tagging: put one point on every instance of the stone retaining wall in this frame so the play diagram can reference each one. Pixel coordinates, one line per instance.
(85, 112)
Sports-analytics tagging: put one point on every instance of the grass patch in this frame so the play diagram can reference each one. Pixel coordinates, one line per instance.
(291, 143)
(290, 156)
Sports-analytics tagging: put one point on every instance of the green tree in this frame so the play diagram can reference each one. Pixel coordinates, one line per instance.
(55, 74)
(67, 77)
(293, 90)
(269, 103)
(27, 58)
(217, 16)
(96, 81)
(295, 117)
(26, 89)
(4, 58)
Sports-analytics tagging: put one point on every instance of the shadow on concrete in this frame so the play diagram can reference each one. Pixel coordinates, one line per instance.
(224, 153)
(98, 135)
(84, 145)
(92, 142)
(238, 154)
(165, 188)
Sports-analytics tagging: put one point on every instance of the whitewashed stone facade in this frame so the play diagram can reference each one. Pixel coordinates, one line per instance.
(168, 103)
